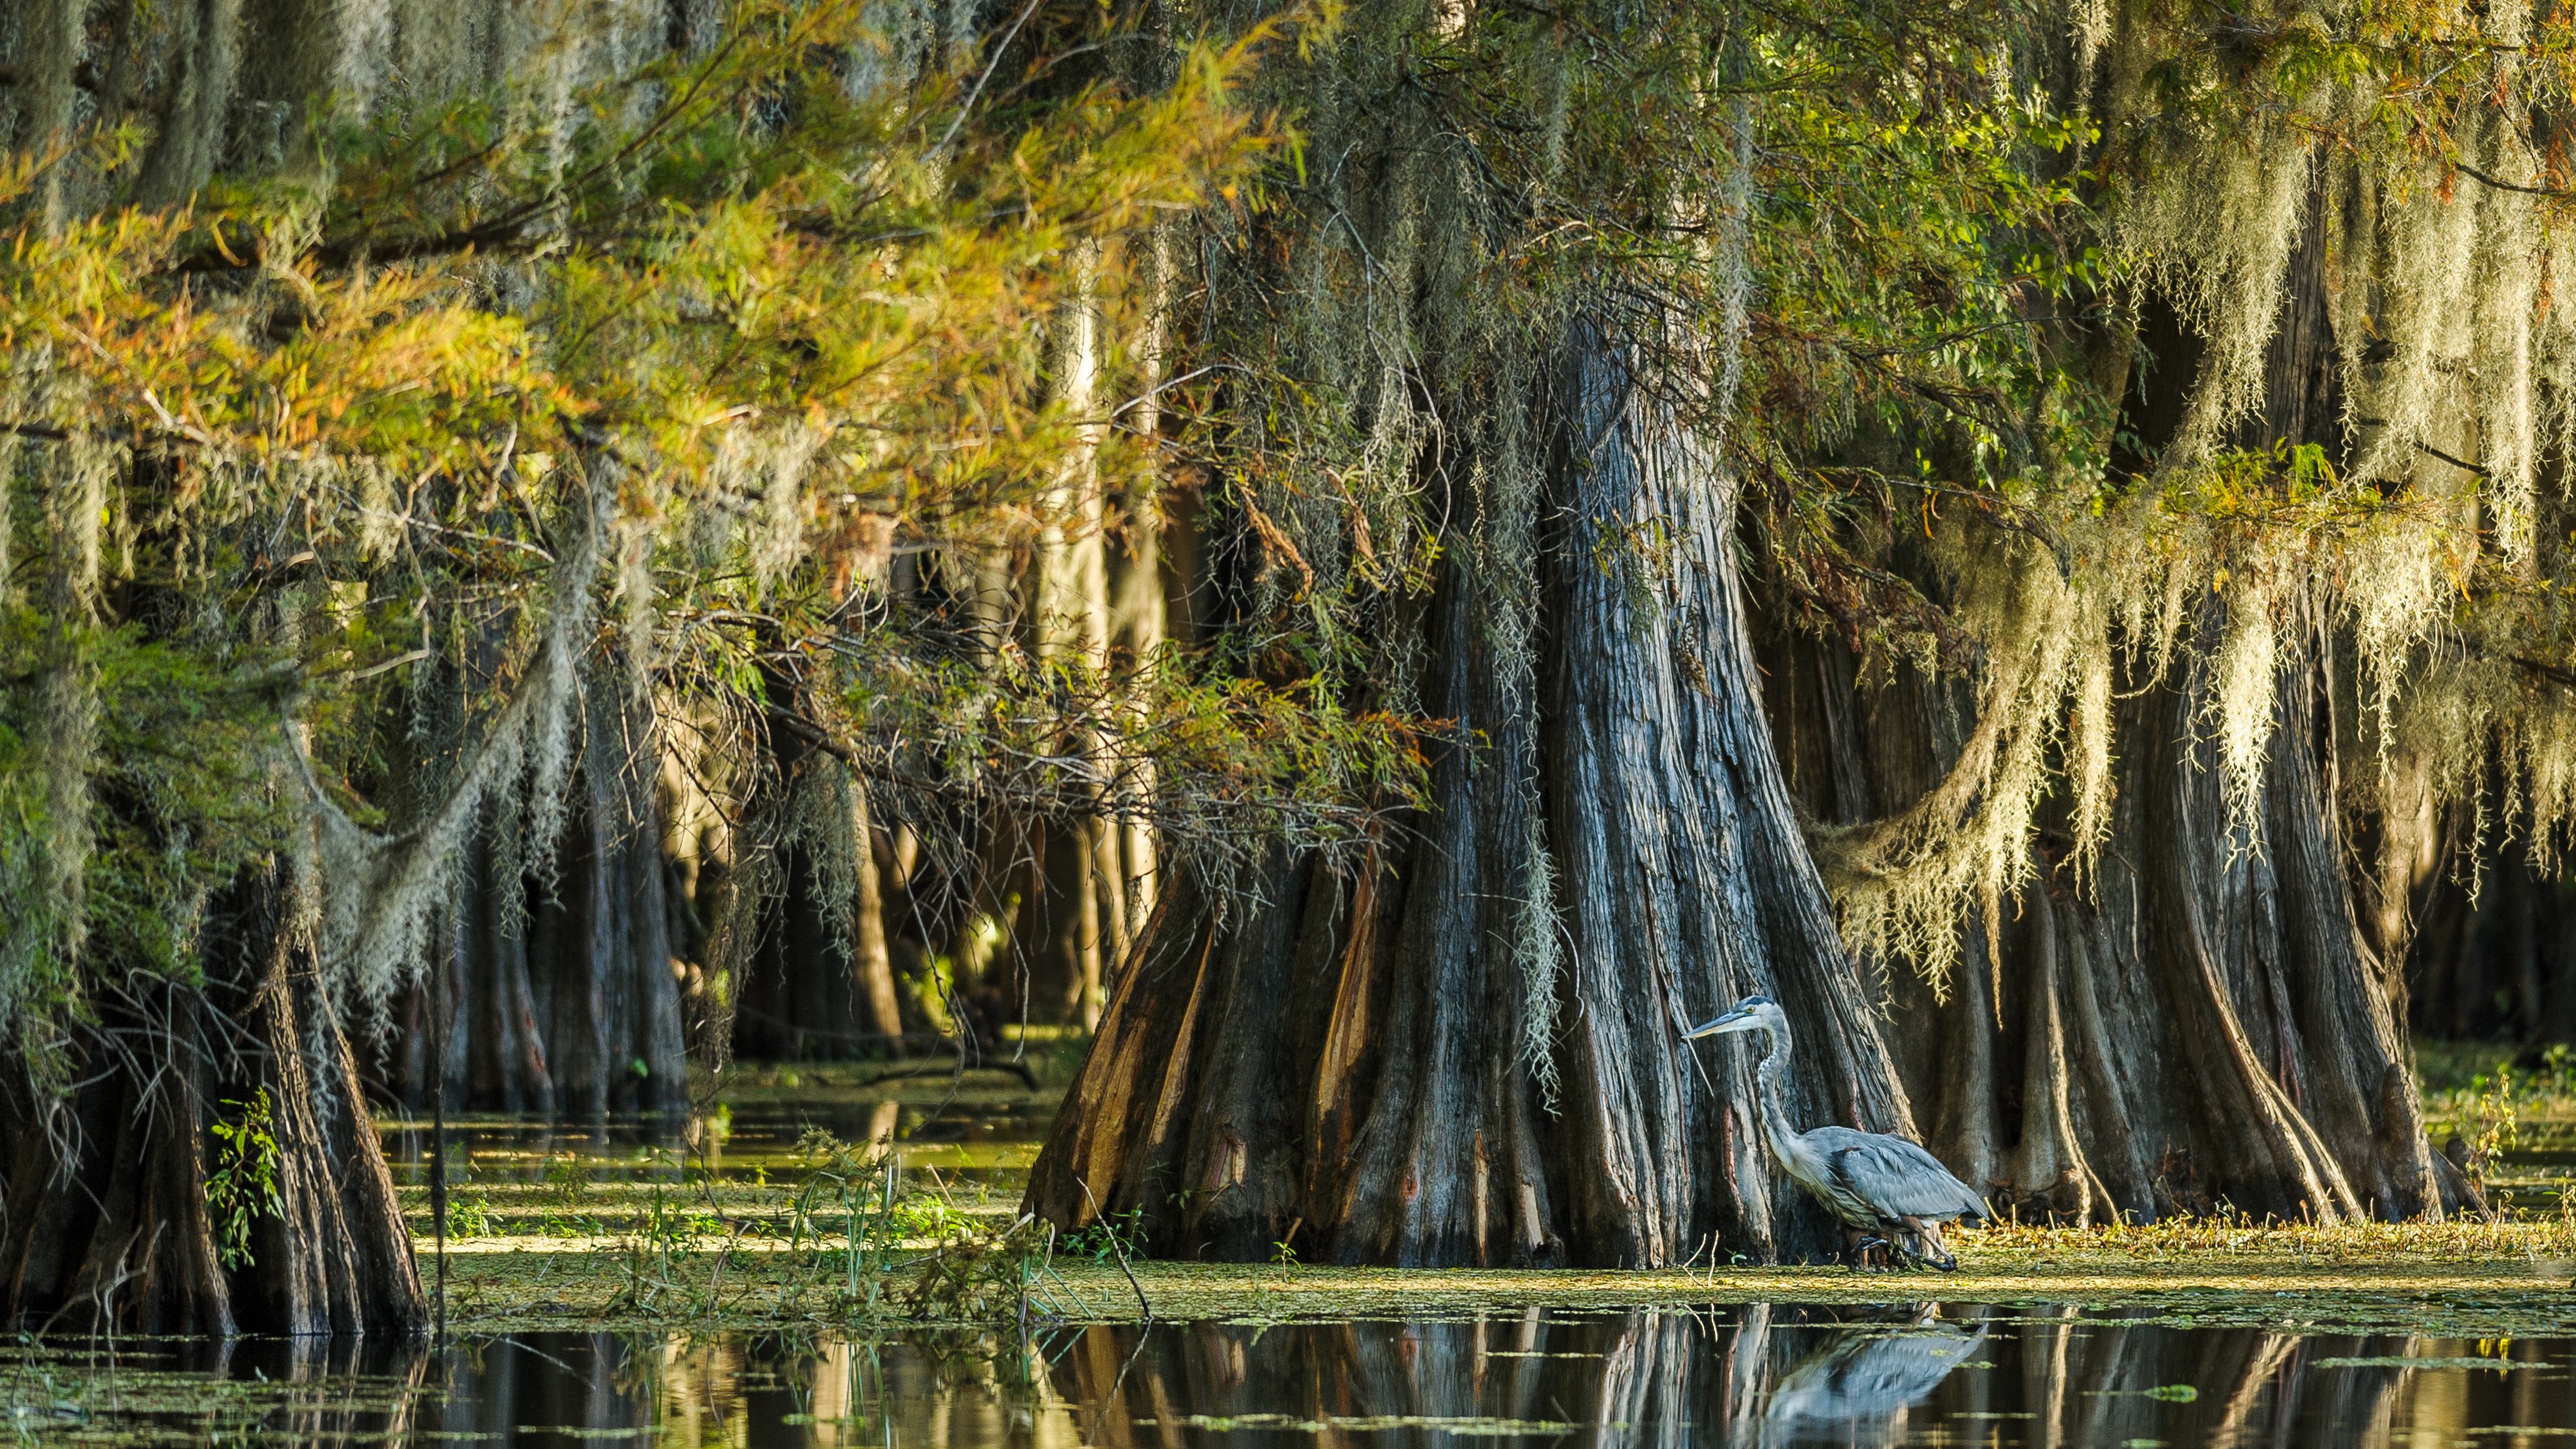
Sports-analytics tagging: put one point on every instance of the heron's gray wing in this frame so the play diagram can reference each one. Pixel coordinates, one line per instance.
(1897, 1177)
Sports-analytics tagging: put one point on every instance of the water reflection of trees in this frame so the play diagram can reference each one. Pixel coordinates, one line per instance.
(2045, 1378)
(138, 1393)
(942, 1390)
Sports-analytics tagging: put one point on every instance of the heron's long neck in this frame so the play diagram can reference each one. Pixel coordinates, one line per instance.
(1772, 1077)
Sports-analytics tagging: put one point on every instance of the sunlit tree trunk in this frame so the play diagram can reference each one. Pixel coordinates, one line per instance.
(1328, 1060)
(1343, 1056)
(1688, 883)
(1465, 1047)
(1070, 615)
(873, 960)
(1138, 605)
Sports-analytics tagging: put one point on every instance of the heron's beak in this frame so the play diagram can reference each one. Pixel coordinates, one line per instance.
(1712, 1028)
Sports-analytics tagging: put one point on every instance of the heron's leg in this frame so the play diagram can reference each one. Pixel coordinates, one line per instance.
(1857, 1243)
(1905, 1241)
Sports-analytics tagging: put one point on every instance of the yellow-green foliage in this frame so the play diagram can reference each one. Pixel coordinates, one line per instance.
(329, 486)
(2403, 142)
(631, 367)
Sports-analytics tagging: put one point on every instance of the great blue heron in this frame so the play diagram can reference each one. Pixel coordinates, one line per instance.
(1888, 1191)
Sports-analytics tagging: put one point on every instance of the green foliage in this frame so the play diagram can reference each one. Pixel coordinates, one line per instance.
(983, 1276)
(2174, 1393)
(1108, 1237)
(786, 387)
(242, 1185)
(1215, 760)
(469, 1216)
(304, 477)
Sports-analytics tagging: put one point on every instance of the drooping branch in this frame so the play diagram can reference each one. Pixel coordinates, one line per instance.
(382, 887)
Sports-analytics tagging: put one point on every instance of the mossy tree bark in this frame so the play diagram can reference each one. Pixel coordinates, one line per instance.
(1341, 1056)
(2205, 1020)
(2048, 1074)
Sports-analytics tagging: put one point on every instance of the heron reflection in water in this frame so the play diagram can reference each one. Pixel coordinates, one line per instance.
(1889, 1192)
(1850, 1390)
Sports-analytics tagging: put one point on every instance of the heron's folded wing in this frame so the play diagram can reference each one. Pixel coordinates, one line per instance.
(1898, 1177)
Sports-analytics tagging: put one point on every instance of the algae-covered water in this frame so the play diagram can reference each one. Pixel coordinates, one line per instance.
(1710, 1374)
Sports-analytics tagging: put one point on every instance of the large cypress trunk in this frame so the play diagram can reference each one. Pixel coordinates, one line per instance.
(2048, 1072)
(1322, 1058)
(108, 1223)
(2301, 1093)
(1344, 1055)
(1688, 883)
(1329, 1058)
(1420, 1057)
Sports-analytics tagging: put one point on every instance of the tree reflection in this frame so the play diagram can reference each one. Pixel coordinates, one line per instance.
(1764, 1375)
(2049, 1377)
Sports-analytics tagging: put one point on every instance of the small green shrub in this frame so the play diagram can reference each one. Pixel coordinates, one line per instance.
(243, 1184)
(1105, 1238)
(469, 1216)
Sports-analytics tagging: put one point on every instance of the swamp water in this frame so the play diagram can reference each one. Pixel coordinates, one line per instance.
(1679, 1374)
(1724, 1374)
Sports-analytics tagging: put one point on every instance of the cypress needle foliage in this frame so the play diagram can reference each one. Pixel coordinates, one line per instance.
(799, 372)
(338, 482)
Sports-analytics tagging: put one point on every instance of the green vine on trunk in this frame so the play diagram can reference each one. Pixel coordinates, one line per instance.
(243, 1184)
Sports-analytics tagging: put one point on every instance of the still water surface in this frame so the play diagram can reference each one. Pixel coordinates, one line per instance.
(1724, 1374)
(1671, 1378)
(991, 1142)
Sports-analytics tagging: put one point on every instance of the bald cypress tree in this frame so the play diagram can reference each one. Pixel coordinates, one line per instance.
(430, 431)
(2137, 453)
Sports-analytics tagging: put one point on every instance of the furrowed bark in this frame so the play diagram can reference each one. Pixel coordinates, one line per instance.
(108, 1225)
(1341, 1057)
(1330, 1061)
(1688, 882)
